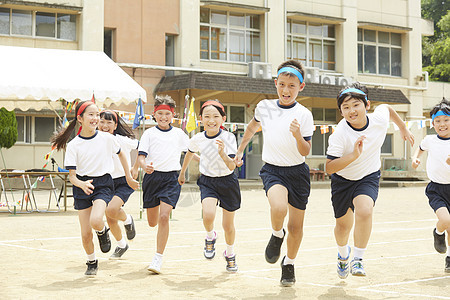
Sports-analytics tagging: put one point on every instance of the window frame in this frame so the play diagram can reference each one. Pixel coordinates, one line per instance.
(325, 136)
(29, 126)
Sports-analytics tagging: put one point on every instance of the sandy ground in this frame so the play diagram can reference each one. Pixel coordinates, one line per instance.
(42, 256)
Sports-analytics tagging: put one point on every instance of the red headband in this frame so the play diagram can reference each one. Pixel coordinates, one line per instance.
(113, 113)
(163, 106)
(215, 103)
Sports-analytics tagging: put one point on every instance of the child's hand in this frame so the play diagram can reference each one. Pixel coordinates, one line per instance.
(134, 173)
(448, 160)
(87, 187)
(295, 129)
(132, 183)
(407, 135)
(238, 159)
(416, 162)
(358, 148)
(220, 145)
(149, 168)
(181, 178)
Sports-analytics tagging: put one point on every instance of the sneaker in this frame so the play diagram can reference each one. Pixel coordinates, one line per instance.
(447, 264)
(209, 250)
(104, 241)
(439, 242)
(343, 265)
(273, 248)
(287, 274)
(118, 252)
(357, 267)
(130, 230)
(231, 262)
(155, 266)
(92, 267)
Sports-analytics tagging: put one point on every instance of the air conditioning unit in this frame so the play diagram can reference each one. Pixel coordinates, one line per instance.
(259, 70)
(328, 79)
(344, 81)
(311, 75)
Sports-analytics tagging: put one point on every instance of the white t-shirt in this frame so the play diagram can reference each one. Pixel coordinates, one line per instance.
(211, 164)
(438, 151)
(342, 142)
(126, 145)
(92, 156)
(280, 146)
(163, 147)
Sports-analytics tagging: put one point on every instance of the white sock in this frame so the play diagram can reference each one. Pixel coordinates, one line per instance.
(230, 251)
(439, 232)
(210, 235)
(159, 256)
(122, 243)
(278, 234)
(91, 257)
(288, 261)
(448, 250)
(128, 220)
(101, 231)
(359, 252)
(343, 251)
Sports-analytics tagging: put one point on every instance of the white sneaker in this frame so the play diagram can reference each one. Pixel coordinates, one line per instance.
(156, 264)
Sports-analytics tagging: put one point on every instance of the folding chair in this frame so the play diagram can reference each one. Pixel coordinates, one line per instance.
(52, 190)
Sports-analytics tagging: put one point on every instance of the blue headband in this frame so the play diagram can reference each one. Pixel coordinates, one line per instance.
(439, 113)
(293, 71)
(353, 90)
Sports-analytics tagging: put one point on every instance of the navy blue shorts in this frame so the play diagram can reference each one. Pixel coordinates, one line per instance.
(225, 189)
(122, 189)
(438, 195)
(343, 191)
(161, 186)
(103, 189)
(294, 178)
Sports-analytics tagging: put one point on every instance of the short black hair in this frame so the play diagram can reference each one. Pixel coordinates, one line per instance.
(356, 85)
(222, 113)
(164, 100)
(444, 105)
(294, 64)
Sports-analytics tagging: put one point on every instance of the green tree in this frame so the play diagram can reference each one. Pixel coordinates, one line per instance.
(8, 128)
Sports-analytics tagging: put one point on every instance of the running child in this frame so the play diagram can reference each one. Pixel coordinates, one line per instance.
(287, 127)
(159, 156)
(438, 171)
(89, 159)
(353, 159)
(111, 123)
(218, 183)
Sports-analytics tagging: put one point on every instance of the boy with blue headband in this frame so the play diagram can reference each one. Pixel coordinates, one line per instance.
(287, 128)
(438, 171)
(353, 159)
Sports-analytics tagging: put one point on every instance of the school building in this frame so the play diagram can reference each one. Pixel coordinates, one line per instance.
(230, 50)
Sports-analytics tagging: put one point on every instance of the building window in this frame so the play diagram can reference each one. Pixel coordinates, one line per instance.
(48, 25)
(23, 129)
(229, 36)
(379, 52)
(43, 128)
(234, 113)
(313, 44)
(108, 45)
(387, 145)
(170, 53)
(319, 141)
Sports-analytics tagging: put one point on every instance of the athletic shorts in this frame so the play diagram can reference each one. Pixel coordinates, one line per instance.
(122, 189)
(103, 189)
(294, 178)
(161, 186)
(438, 195)
(225, 189)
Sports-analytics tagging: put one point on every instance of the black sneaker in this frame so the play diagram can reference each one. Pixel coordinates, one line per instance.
(130, 229)
(104, 241)
(273, 248)
(447, 264)
(439, 242)
(92, 267)
(287, 274)
(118, 252)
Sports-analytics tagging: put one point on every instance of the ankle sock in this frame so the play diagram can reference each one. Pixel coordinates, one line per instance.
(122, 243)
(439, 232)
(343, 251)
(358, 253)
(288, 261)
(128, 220)
(210, 235)
(91, 257)
(278, 233)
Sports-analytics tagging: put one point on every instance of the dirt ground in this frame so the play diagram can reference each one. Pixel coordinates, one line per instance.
(42, 255)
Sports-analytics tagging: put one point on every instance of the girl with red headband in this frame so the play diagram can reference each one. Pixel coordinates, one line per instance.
(159, 156)
(111, 123)
(89, 159)
(218, 183)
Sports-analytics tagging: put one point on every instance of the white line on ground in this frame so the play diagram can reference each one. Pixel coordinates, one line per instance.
(24, 247)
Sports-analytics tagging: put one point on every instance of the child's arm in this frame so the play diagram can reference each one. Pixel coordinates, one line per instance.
(404, 131)
(303, 146)
(86, 186)
(187, 159)
(448, 160)
(252, 126)
(131, 182)
(228, 160)
(335, 165)
(147, 168)
(416, 158)
(135, 169)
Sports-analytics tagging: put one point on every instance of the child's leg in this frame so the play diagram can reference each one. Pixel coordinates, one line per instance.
(343, 227)
(443, 222)
(209, 213)
(114, 213)
(97, 213)
(86, 230)
(295, 231)
(228, 228)
(163, 227)
(278, 200)
(153, 216)
(363, 220)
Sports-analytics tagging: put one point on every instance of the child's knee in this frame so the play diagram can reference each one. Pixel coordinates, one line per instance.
(295, 230)
(164, 218)
(364, 212)
(111, 212)
(152, 223)
(279, 210)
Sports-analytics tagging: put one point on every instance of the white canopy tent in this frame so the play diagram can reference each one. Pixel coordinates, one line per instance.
(31, 78)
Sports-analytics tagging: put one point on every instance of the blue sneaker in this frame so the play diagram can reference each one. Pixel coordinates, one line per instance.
(357, 267)
(343, 265)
